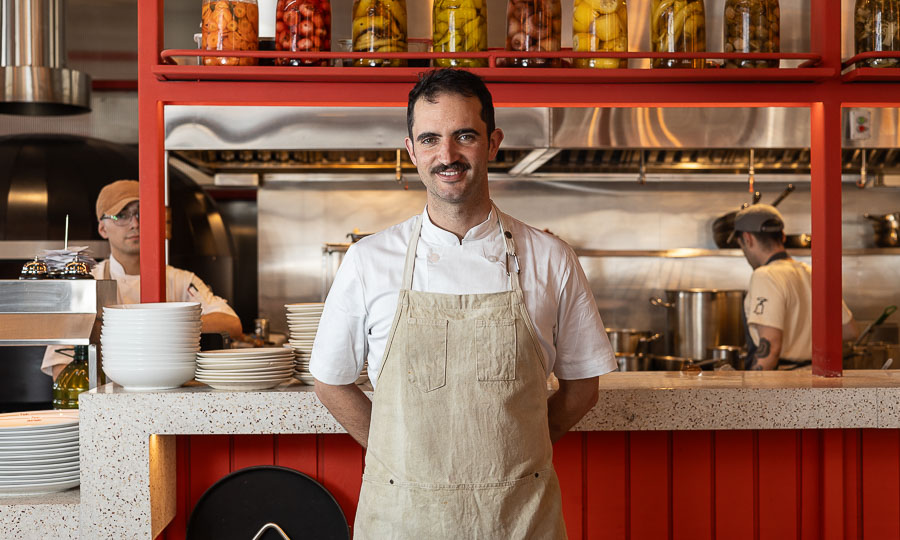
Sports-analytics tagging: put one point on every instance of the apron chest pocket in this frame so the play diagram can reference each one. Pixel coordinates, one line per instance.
(495, 349)
(426, 353)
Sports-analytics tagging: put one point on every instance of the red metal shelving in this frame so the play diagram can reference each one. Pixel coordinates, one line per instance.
(817, 84)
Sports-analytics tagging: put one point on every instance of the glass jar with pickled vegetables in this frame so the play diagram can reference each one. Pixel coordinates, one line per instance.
(533, 25)
(229, 25)
(379, 26)
(677, 26)
(876, 27)
(752, 26)
(302, 26)
(459, 26)
(600, 25)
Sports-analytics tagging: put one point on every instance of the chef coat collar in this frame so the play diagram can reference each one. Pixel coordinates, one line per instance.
(116, 270)
(433, 234)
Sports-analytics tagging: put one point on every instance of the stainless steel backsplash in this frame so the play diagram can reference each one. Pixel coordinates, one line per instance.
(295, 219)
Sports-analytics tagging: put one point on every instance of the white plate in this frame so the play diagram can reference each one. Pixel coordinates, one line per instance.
(228, 369)
(18, 438)
(264, 351)
(263, 358)
(53, 453)
(41, 460)
(244, 387)
(26, 478)
(35, 489)
(155, 306)
(41, 468)
(305, 379)
(25, 445)
(238, 374)
(216, 378)
(38, 420)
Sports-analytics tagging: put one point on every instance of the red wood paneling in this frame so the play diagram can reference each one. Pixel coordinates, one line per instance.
(880, 453)
(340, 468)
(833, 485)
(606, 485)
(252, 450)
(692, 485)
(779, 484)
(735, 502)
(298, 452)
(568, 460)
(210, 459)
(810, 484)
(852, 484)
(650, 496)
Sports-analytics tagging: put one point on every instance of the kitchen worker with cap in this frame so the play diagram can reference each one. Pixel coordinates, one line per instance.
(462, 312)
(778, 305)
(119, 222)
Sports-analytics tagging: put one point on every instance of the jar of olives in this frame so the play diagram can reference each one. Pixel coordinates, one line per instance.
(379, 26)
(677, 26)
(229, 26)
(533, 25)
(876, 27)
(459, 26)
(302, 25)
(600, 25)
(752, 26)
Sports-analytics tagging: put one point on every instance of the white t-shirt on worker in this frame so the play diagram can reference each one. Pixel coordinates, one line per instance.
(363, 298)
(780, 296)
(181, 286)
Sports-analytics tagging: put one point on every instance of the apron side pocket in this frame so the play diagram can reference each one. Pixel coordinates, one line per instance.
(495, 349)
(426, 353)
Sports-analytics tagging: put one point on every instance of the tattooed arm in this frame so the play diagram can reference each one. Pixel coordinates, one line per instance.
(768, 350)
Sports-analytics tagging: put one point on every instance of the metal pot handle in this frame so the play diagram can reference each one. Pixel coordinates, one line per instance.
(659, 302)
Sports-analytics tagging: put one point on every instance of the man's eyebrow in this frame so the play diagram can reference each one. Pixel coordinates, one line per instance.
(465, 131)
(426, 135)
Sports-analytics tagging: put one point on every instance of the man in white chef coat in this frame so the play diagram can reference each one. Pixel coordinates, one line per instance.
(119, 222)
(778, 305)
(462, 312)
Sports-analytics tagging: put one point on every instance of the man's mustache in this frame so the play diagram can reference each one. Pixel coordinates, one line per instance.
(460, 165)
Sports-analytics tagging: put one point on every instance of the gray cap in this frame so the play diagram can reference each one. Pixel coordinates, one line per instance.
(757, 218)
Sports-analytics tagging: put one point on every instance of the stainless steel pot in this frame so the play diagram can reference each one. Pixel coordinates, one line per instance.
(702, 319)
(887, 229)
(671, 363)
(629, 340)
(633, 362)
(727, 354)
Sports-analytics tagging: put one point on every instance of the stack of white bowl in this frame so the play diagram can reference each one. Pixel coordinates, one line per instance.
(38, 452)
(303, 323)
(150, 346)
(245, 369)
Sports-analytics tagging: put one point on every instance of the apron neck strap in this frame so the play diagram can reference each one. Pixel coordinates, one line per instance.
(510, 243)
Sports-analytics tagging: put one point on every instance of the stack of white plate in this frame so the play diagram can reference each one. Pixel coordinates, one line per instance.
(245, 369)
(150, 346)
(303, 322)
(38, 452)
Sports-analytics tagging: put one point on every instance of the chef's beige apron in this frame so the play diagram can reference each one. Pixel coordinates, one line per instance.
(459, 445)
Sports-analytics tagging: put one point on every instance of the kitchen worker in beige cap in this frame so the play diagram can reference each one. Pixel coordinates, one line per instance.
(461, 312)
(119, 222)
(778, 305)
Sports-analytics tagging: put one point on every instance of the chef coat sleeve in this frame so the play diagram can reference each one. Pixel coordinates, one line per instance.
(193, 289)
(766, 301)
(582, 347)
(339, 350)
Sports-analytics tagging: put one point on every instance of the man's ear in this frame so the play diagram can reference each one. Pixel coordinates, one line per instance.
(101, 228)
(410, 149)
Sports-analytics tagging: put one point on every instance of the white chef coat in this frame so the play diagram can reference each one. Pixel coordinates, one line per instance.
(362, 302)
(181, 286)
(780, 296)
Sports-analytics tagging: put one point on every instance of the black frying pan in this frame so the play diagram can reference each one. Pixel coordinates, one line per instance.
(241, 504)
(723, 225)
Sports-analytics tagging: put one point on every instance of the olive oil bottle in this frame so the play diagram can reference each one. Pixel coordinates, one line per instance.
(72, 381)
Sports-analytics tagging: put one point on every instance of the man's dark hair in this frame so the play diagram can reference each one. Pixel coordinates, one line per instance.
(769, 239)
(450, 81)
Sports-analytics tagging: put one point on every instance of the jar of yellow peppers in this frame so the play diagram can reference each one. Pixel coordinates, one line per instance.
(600, 25)
(459, 26)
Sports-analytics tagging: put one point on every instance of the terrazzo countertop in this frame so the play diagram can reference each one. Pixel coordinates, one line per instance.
(38, 517)
(122, 432)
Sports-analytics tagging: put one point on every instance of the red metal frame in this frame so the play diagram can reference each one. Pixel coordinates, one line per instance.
(822, 88)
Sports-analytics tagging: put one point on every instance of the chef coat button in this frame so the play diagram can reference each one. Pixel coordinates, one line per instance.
(492, 259)
(391, 481)
(433, 257)
(508, 234)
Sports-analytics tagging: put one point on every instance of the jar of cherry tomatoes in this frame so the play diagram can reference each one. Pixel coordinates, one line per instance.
(305, 26)
(230, 25)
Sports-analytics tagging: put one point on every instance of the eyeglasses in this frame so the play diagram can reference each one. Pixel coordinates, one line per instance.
(123, 218)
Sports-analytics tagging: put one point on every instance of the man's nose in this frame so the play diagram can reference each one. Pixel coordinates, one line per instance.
(448, 152)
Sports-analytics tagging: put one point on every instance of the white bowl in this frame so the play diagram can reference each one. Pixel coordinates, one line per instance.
(134, 360)
(149, 378)
(150, 339)
(153, 306)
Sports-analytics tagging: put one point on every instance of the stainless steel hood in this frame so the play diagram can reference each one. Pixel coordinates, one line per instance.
(34, 79)
(539, 142)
